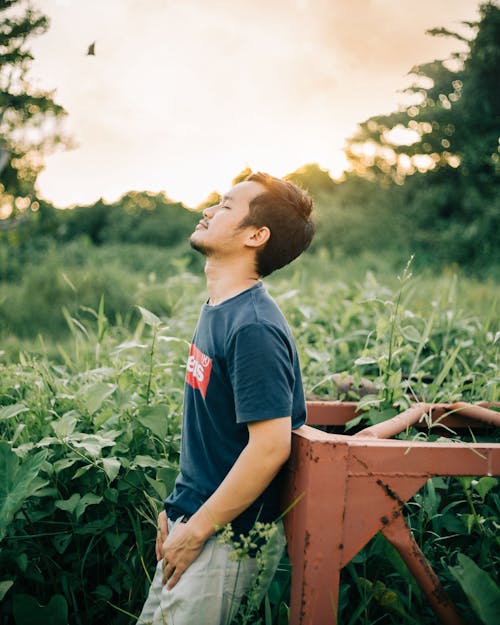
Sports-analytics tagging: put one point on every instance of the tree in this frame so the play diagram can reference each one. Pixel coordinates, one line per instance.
(453, 118)
(443, 148)
(29, 118)
(316, 180)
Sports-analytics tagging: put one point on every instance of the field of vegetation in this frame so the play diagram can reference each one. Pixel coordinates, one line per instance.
(98, 304)
(92, 370)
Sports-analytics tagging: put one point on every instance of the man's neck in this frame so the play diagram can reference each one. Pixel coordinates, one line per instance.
(224, 282)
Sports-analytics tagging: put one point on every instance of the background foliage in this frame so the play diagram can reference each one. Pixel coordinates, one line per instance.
(90, 427)
(98, 303)
(30, 119)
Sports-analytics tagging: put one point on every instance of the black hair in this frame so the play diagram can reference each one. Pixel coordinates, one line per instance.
(286, 210)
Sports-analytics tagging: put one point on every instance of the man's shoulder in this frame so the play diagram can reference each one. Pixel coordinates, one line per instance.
(261, 315)
(265, 328)
(267, 310)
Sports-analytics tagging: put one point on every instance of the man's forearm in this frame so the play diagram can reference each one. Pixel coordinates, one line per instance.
(267, 449)
(256, 466)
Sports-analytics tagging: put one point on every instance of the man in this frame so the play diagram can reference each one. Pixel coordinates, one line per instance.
(243, 396)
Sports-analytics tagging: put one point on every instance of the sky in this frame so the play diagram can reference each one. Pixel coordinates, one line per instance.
(182, 95)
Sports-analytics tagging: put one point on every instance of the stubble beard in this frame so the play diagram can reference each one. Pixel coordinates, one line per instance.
(205, 250)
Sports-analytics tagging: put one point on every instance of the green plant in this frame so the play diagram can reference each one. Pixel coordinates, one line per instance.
(92, 422)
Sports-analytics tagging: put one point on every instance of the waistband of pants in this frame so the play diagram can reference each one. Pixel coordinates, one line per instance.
(174, 514)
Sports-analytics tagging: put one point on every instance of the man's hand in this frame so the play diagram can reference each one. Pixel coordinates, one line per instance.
(267, 449)
(161, 534)
(180, 549)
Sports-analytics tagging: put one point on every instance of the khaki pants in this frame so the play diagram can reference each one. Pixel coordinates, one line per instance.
(210, 590)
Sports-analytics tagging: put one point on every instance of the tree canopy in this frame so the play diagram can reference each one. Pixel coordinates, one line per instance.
(443, 148)
(452, 119)
(29, 118)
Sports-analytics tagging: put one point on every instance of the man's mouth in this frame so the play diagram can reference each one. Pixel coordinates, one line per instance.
(203, 223)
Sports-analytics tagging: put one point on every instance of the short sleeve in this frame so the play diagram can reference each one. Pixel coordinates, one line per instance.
(261, 368)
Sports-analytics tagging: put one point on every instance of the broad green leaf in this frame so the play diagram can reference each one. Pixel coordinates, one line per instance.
(22, 561)
(410, 333)
(111, 467)
(111, 494)
(353, 422)
(4, 587)
(469, 520)
(38, 484)
(81, 471)
(389, 600)
(453, 524)
(283, 614)
(431, 499)
(96, 526)
(484, 485)
(158, 486)
(149, 318)
(480, 589)
(147, 461)
(155, 419)
(167, 475)
(19, 429)
(102, 372)
(173, 339)
(394, 381)
(465, 482)
(129, 345)
(382, 326)
(89, 499)
(7, 412)
(18, 482)
(267, 611)
(438, 482)
(115, 540)
(64, 463)
(95, 394)
(93, 444)
(61, 542)
(365, 360)
(367, 401)
(46, 441)
(378, 416)
(314, 354)
(103, 416)
(66, 424)
(77, 504)
(27, 611)
(68, 504)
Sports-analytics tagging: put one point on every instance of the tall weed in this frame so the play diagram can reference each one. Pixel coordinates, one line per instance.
(90, 429)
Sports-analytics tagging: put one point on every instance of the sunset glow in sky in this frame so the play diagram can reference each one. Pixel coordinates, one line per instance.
(183, 94)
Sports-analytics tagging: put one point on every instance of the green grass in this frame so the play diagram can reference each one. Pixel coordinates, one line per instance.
(90, 406)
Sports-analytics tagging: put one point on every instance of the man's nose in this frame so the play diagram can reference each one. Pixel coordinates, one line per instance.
(208, 212)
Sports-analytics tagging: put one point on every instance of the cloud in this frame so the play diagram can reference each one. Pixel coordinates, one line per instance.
(196, 86)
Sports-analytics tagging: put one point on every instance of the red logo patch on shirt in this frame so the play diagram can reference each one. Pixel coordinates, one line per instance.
(198, 369)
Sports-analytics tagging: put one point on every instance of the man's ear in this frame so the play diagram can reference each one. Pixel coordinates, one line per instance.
(259, 237)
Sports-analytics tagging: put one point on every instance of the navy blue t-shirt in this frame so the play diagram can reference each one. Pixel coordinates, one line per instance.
(242, 367)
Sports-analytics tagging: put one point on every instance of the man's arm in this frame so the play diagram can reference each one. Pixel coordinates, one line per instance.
(268, 448)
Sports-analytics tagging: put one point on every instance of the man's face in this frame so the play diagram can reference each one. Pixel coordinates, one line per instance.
(218, 233)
